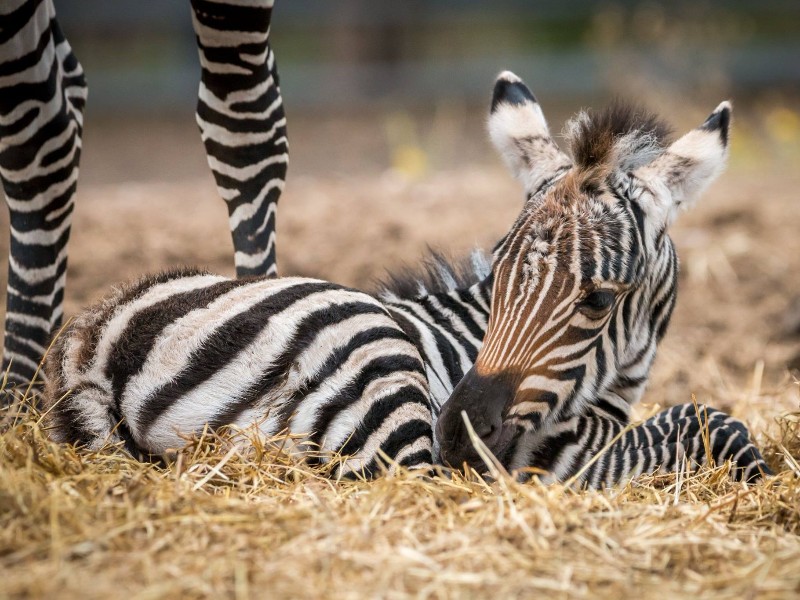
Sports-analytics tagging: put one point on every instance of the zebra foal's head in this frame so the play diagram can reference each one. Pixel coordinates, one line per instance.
(584, 281)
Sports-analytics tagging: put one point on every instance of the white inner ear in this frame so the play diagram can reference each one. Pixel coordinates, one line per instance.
(520, 134)
(706, 155)
(679, 177)
(510, 123)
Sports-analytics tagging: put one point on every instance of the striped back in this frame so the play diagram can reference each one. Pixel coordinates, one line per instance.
(584, 281)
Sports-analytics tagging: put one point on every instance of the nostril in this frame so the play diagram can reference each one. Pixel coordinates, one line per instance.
(488, 431)
(484, 430)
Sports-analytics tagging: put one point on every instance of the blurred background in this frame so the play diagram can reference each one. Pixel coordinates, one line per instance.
(403, 77)
(386, 105)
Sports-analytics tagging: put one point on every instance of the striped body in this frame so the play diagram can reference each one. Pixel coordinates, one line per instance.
(170, 354)
(42, 96)
(163, 358)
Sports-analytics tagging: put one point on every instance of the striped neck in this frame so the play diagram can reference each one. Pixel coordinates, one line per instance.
(447, 328)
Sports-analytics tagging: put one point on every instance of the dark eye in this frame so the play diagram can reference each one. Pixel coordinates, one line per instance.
(597, 303)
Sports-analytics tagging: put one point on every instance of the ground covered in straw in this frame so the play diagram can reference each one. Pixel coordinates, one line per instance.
(224, 523)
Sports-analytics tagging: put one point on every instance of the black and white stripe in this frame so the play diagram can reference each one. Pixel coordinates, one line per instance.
(42, 96)
(169, 355)
(163, 358)
(242, 123)
(583, 287)
(672, 441)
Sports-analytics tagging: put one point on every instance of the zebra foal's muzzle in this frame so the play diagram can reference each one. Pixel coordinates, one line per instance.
(485, 400)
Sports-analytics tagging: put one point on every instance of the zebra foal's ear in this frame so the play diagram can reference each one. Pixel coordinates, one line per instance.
(519, 131)
(681, 174)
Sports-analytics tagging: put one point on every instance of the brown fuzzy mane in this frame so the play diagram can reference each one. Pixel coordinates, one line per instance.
(621, 136)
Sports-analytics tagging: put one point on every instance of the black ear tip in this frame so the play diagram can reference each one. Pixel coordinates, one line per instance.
(509, 89)
(720, 120)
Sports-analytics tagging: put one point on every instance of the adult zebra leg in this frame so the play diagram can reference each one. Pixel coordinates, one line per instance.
(242, 123)
(660, 444)
(42, 95)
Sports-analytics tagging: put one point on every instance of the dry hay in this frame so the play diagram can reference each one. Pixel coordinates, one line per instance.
(258, 523)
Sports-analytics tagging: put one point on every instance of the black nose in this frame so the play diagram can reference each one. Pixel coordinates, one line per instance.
(483, 400)
(456, 443)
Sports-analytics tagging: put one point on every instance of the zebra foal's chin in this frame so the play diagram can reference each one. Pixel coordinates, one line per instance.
(542, 346)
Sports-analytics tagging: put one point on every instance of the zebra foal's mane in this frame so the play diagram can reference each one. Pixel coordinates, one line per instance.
(437, 272)
(621, 137)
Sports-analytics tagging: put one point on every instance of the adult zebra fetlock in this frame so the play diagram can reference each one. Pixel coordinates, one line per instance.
(355, 374)
(584, 286)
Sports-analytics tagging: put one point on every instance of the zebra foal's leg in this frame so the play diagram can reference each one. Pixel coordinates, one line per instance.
(660, 444)
(42, 95)
(241, 119)
(703, 433)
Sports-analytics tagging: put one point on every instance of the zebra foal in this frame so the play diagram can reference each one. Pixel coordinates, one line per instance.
(584, 286)
(389, 375)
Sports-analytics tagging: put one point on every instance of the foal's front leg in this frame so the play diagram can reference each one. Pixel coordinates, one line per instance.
(569, 449)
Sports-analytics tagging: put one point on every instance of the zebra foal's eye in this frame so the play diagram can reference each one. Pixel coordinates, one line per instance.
(597, 303)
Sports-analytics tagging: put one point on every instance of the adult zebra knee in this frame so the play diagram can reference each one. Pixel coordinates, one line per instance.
(41, 119)
(242, 123)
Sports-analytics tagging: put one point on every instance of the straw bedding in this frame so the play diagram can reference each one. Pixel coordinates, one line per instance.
(258, 523)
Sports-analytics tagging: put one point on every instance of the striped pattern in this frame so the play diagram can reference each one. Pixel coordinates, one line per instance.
(672, 441)
(583, 289)
(42, 96)
(170, 354)
(578, 353)
(242, 123)
(445, 312)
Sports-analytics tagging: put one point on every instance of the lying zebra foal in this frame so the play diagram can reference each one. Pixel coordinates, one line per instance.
(572, 305)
